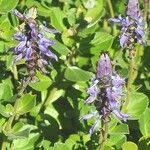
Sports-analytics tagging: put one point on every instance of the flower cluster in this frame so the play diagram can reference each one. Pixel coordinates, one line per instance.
(132, 26)
(33, 45)
(106, 92)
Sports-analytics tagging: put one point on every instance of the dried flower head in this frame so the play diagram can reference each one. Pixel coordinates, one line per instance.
(132, 26)
(33, 45)
(106, 93)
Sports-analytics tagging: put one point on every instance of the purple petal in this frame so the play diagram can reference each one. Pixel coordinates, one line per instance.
(44, 61)
(115, 20)
(104, 68)
(93, 90)
(46, 42)
(91, 99)
(20, 47)
(19, 57)
(43, 48)
(123, 40)
(140, 31)
(142, 42)
(112, 101)
(88, 116)
(18, 14)
(47, 52)
(125, 22)
(121, 115)
(34, 33)
(32, 24)
(133, 9)
(117, 80)
(28, 53)
(95, 126)
(19, 36)
(51, 55)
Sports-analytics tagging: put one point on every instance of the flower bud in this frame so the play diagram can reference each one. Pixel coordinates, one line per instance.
(104, 68)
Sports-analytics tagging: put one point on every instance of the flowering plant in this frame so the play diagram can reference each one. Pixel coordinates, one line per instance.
(74, 74)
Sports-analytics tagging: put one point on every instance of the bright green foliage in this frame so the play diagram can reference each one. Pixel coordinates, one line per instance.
(129, 146)
(144, 123)
(46, 114)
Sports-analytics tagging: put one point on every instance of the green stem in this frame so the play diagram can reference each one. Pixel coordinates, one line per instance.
(146, 5)
(130, 78)
(104, 134)
(4, 147)
(112, 15)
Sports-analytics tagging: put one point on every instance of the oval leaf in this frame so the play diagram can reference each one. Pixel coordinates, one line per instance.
(144, 123)
(7, 5)
(43, 83)
(137, 105)
(26, 103)
(76, 74)
(129, 146)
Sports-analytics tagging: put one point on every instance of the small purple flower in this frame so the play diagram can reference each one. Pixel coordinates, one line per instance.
(106, 92)
(132, 26)
(33, 44)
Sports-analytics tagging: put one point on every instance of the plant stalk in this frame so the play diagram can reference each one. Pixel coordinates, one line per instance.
(110, 6)
(104, 134)
(131, 78)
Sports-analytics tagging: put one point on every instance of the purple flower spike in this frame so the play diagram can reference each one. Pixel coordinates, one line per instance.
(132, 26)
(106, 92)
(34, 45)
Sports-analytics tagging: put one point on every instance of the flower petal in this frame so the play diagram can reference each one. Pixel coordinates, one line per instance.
(19, 57)
(88, 116)
(95, 126)
(28, 53)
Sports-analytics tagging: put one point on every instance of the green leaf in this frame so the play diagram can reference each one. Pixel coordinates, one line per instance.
(61, 146)
(19, 130)
(97, 18)
(144, 123)
(18, 126)
(101, 41)
(129, 146)
(2, 121)
(144, 143)
(76, 74)
(27, 143)
(46, 145)
(93, 15)
(43, 83)
(71, 16)
(26, 103)
(117, 140)
(74, 138)
(7, 5)
(121, 128)
(6, 91)
(4, 27)
(41, 10)
(55, 94)
(57, 19)
(60, 48)
(3, 111)
(137, 105)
